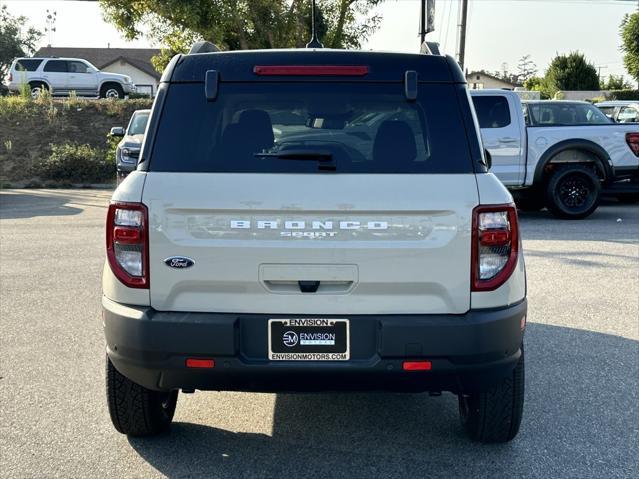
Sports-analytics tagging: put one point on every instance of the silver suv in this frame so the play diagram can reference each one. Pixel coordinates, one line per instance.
(128, 150)
(313, 220)
(63, 75)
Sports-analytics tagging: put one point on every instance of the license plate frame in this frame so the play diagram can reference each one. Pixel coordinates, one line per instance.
(309, 339)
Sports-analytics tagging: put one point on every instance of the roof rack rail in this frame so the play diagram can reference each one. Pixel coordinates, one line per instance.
(203, 47)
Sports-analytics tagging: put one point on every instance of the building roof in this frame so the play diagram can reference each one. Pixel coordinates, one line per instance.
(470, 74)
(102, 57)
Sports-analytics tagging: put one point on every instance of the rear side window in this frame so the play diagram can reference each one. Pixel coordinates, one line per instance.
(566, 114)
(628, 114)
(492, 111)
(268, 127)
(59, 66)
(27, 65)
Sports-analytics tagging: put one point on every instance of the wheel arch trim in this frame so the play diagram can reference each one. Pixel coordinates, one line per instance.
(39, 80)
(574, 144)
(106, 82)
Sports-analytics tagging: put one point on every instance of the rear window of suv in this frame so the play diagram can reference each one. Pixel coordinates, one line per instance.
(288, 127)
(28, 65)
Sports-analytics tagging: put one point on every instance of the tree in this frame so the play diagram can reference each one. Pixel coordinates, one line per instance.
(241, 24)
(615, 83)
(630, 44)
(570, 72)
(16, 40)
(526, 68)
(536, 83)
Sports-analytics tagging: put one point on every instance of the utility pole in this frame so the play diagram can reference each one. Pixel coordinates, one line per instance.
(422, 24)
(462, 35)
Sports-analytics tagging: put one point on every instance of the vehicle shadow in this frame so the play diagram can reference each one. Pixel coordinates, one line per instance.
(22, 204)
(579, 421)
(612, 222)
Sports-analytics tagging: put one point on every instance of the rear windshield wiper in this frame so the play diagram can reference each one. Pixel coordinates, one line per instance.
(311, 155)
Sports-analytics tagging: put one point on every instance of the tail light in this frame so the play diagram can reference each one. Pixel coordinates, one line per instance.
(633, 142)
(127, 243)
(10, 77)
(495, 246)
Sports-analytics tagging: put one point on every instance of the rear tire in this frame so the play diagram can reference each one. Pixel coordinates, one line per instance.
(573, 192)
(36, 89)
(495, 415)
(136, 410)
(112, 91)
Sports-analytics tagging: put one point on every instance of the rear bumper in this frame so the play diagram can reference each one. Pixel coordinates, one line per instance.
(468, 352)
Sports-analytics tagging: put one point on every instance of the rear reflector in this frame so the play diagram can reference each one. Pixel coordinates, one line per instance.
(126, 235)
(417, 366)
(200, 363)
(311, 70)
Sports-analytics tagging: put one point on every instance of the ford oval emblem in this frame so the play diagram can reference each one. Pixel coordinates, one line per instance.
(179, 262)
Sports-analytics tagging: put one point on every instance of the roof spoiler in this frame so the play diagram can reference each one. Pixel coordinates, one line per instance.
(203, 47)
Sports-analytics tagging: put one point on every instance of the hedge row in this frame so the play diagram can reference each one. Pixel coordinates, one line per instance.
(623, 95)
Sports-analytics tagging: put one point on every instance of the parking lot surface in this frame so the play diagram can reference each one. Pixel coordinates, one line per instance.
(581, 417)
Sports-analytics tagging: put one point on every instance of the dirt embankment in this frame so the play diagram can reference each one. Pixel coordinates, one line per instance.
(28, 129)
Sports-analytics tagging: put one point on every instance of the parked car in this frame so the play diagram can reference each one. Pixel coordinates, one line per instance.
(128, 150)
(386, 259)
(61, 76)
(557, 154)
(620, 111)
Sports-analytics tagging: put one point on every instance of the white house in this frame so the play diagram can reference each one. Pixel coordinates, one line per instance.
(134, 62)
(482, 80)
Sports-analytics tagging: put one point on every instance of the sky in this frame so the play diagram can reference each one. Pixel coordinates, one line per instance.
(499, 31)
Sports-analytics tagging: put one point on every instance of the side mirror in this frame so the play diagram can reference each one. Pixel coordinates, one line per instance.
(117, 131)
(489, 158)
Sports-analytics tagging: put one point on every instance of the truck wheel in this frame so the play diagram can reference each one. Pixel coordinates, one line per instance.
(36, 89)
(628, 198)
(136, 410)
(573, 192)
(112, 91)
(495, 415)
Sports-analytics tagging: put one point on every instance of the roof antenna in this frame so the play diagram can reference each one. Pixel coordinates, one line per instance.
(314, 43)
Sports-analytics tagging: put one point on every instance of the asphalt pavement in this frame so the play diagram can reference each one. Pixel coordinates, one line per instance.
(581, 417)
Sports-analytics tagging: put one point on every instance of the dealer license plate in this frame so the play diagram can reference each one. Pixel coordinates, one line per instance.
(308, 339)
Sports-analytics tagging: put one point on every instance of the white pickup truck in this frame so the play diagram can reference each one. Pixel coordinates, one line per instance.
(557, 154)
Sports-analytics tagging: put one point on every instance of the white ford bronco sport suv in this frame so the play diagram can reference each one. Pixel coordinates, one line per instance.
(313, 220)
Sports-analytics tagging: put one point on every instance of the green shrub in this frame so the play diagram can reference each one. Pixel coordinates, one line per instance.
(76, 164)
(623, 95)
